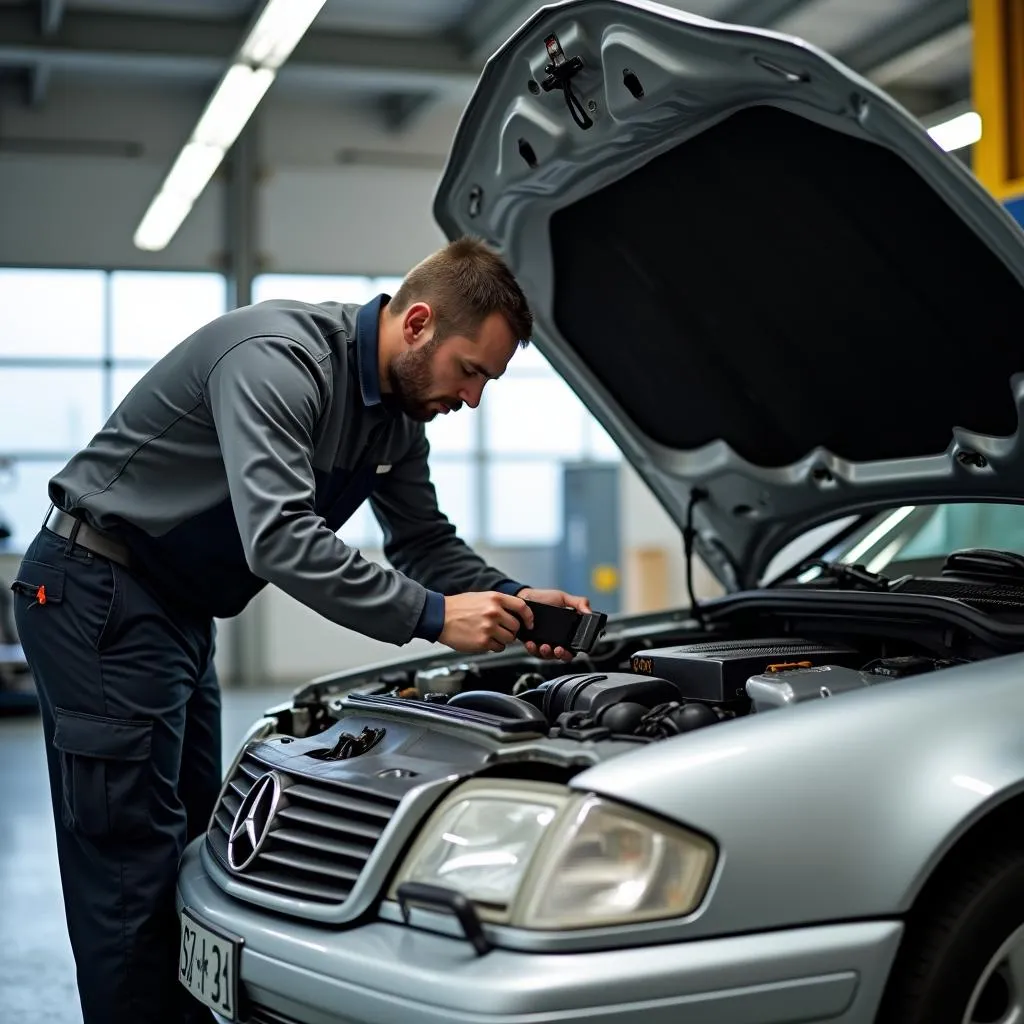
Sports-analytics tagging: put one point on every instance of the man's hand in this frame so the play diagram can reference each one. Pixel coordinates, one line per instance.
(484, 621)
(560, 599)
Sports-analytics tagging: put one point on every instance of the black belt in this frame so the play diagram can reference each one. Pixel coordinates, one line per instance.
(67, 526)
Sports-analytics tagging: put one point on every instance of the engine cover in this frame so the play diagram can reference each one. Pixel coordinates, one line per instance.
(718, 672)
(793, 686)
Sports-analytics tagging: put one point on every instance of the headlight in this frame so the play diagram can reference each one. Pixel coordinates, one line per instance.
(540, 856)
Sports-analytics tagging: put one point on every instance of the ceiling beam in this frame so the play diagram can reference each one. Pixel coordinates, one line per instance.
(38, 85)
(406, 70)
(200, 49)
(939, 23)
(490, 22)
(762, 13)
(493, 21)
(924, 102)
(399, 110)
(51, 14)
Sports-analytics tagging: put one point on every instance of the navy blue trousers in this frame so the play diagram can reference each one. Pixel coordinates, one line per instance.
(130, 709)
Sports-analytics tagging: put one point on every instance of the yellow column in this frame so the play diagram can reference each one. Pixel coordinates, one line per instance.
(997, 84)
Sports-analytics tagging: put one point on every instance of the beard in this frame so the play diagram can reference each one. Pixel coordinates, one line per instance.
(411, 378)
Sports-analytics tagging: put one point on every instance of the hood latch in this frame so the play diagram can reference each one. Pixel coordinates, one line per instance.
(560, 73)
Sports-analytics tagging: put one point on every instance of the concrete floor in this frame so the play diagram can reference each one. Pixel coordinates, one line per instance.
(37, 973)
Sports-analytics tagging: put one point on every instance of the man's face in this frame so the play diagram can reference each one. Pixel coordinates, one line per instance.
(430, 376)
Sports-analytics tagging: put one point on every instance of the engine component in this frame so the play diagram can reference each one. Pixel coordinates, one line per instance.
(450, 679)
(674, 718)
(589, 693)
(718, 672)
(985, 563)
(907, 665)
(563, 627)
(348, 745)
(691, 716)
(793, 686)
(621, 718)
(503, 726)
(527, 681)
(502, 705)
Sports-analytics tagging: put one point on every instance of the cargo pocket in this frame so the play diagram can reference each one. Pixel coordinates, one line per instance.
(105, 774)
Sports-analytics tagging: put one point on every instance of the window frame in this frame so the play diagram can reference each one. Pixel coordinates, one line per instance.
(106, 363)
(476, 457)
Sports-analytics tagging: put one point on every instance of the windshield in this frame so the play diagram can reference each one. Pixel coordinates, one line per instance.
(917, 539)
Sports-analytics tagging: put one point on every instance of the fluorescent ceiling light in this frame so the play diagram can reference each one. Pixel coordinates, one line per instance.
(957, 132)
(277, 30)
(194, 167)
(231, 106)
(162, 219)
(226, 113)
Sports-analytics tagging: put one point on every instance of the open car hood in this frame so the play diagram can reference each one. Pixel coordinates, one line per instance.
(760, 273)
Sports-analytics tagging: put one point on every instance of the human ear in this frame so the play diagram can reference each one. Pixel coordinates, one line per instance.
(415, 322)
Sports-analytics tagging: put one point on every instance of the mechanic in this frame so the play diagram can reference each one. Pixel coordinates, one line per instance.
(230, 466)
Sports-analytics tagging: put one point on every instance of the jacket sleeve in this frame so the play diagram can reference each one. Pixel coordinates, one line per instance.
(265, 397)
(420, 541)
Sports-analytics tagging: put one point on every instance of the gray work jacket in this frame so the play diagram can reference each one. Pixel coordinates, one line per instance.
(239, 454)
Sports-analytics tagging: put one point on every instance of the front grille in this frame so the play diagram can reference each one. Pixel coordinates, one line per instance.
(264, 1015)
(320, 838)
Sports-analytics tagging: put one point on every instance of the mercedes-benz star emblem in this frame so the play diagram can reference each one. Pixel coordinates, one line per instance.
(252, 823)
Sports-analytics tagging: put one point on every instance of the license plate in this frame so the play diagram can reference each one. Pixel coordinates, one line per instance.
(208, 966)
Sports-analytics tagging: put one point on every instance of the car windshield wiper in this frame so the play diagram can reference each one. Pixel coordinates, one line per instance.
(849, 577)
(815, 557)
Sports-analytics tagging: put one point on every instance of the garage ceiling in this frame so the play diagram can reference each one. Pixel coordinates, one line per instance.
(404, 55)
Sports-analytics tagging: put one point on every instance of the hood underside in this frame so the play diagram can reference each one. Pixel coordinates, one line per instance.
(760, 274)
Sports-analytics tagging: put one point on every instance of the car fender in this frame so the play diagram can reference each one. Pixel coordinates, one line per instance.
(835, 809)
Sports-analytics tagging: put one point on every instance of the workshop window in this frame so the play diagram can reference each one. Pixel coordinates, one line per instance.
(23, 501)
(72, 344)
(313, 288)
(52, 410)
(152, 311)
(47, 314)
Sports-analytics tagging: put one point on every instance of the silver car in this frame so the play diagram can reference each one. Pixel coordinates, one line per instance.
(799, 802)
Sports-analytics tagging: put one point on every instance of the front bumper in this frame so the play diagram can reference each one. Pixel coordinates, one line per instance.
(381, 972)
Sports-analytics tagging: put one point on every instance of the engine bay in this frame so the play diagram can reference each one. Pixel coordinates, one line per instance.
(656, 693)
(647, 679)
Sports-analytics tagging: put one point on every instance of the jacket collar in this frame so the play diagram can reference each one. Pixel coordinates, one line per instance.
(367, 349)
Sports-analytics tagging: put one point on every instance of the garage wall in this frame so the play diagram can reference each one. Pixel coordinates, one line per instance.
(79, 204)
(338, 193)
(371, 216)
(76, 177)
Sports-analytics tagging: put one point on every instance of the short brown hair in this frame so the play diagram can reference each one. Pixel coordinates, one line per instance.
(465, 282)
